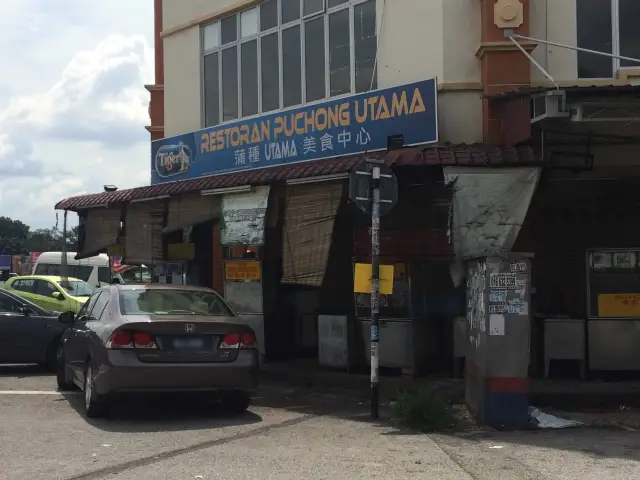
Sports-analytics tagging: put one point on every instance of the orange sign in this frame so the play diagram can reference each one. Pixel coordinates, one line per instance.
(242, 270)
(619, 305)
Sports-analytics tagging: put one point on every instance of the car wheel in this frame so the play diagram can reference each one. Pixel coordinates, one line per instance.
(61, 371)
(94, 405)
(236, 402)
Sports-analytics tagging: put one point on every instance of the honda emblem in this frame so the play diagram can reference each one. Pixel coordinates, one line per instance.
(189, 328)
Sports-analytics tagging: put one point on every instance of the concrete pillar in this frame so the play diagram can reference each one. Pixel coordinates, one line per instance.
(498, 323)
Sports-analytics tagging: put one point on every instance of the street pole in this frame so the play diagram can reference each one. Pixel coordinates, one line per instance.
(375, 290)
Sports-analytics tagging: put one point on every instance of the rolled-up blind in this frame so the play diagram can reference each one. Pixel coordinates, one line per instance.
(308, 229)
(100, 228)
(143, 224)
(190, 210)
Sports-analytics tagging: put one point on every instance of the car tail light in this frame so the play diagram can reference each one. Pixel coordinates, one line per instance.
(126, 340)
(143, 340)
(248, 341)
(238, 340)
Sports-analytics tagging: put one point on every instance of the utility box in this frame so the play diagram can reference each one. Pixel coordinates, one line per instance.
(498, 324)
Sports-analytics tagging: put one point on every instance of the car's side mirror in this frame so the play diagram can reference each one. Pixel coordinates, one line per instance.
(57, 296)
(67, 317)
(24, 310)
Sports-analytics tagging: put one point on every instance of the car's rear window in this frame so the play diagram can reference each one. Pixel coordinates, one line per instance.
(144, 301)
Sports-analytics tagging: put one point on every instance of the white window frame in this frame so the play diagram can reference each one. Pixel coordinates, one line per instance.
(615, 41)
(301, 21)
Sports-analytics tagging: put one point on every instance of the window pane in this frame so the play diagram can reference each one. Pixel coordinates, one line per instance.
(291, 66)
(268, 15)
(314, 59)
(365, 45)
(335, 3)
(249, 65)
(309, 7)
(249, 22)
(594, 33)
(339, 53)
(230, 84)
(211, 90)
(290, 10)
(211, 35)
(229, 28)
(629, 31)
(270, 73)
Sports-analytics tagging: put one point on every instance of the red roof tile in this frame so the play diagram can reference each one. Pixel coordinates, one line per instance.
(444, 154)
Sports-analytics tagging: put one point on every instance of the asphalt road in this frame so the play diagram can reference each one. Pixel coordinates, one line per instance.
(290, 433)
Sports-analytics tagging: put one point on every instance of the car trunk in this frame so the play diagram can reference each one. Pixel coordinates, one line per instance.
(185, 339)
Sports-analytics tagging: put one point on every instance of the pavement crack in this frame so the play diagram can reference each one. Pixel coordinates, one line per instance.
(159, 457)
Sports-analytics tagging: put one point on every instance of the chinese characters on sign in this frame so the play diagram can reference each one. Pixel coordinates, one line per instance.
(346, 126)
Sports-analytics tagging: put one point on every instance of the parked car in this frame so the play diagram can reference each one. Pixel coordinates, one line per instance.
(157, 338)
(28, 333)
(60, 294)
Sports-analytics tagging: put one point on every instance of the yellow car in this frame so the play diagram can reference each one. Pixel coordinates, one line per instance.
(57, 294)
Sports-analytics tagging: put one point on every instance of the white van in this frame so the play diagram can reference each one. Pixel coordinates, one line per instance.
(93, 270)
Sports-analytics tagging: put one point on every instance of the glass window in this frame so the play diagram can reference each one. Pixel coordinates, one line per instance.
(249, 22)
(629, 31)
(311, 7)
(268, 15)
(77, 288)
(211, 90)
(211, 36)
(23, 285)
(314, 59)
(290, 10)
(249, 65)
(365, 43)
(594, 32)
(230, 84)
(270, 64)
(243, 77)
(8, 304)
(46, 289)
(142, 301)
(88, 306)
(229, 29)
(291, 67)
(99, 306)
(104, 275)
(339, 53)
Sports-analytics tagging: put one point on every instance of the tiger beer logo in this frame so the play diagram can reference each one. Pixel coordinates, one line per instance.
(173, 160)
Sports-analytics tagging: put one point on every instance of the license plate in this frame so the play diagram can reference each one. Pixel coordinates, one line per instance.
(188, 343)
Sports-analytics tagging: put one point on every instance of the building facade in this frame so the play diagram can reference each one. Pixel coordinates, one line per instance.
(495, 122)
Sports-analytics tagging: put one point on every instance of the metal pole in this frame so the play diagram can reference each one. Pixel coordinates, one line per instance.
(577, 49)
(533, 60)
(375, 290)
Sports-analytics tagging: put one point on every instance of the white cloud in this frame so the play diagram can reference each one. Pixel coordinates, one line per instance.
(71, 133)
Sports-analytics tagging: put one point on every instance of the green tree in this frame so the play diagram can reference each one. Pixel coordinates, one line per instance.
(13, 236)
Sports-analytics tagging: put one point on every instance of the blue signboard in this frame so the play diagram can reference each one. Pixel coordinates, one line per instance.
(346, 126)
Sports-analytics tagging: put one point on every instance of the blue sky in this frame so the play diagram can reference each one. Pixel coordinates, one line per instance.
(72, 101)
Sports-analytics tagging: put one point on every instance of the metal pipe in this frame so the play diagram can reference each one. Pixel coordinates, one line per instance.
(578, 49)
(533, 60)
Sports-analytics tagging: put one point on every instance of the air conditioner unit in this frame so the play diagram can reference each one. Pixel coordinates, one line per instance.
(606, 112)
(551, 104)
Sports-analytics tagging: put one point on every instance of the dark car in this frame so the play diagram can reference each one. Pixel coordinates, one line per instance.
(157, 338)
(28, 333)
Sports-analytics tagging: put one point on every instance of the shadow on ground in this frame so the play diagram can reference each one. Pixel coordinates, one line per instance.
(162, 413)
(23, 371)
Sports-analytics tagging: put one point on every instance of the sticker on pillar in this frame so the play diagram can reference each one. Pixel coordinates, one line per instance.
(497, 296)
(502, 308)
(502, 281)
(374, 333)
(518, 306)
(520, 266)
(496, 325)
